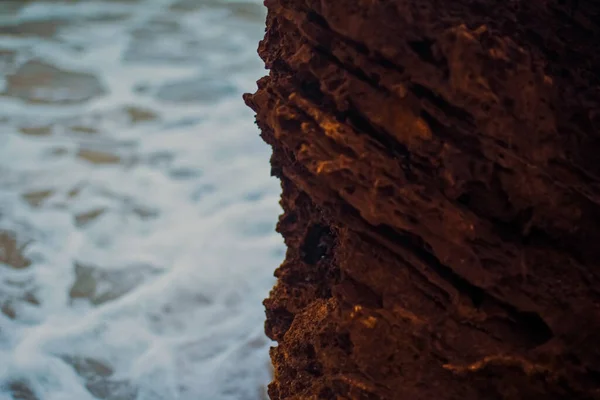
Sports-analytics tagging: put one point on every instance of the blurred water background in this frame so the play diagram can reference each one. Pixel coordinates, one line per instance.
(136, 208)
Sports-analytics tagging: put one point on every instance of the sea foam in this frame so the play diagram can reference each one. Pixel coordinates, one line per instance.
(136, 209)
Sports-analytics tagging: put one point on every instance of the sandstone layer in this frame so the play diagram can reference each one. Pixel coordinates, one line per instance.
(440, 166)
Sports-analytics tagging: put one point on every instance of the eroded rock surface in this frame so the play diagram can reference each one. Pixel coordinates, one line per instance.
(441, 194)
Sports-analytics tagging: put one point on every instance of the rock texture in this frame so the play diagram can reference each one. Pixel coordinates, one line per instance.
(440, 165)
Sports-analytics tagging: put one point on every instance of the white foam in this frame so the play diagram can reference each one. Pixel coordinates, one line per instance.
(183, 219)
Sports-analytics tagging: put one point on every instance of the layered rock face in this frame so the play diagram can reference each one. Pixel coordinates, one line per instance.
(440, 165)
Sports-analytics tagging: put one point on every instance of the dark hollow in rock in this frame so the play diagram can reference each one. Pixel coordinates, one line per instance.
(440, 169)
(317, 244)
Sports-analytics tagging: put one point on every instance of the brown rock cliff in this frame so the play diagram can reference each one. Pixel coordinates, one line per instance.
(440, 165)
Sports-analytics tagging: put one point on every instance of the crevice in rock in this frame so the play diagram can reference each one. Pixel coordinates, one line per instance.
(317, 244)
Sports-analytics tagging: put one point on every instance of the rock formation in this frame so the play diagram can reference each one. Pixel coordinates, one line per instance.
(440, 166)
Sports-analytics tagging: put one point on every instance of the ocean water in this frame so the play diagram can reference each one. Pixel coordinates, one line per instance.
(136, 209)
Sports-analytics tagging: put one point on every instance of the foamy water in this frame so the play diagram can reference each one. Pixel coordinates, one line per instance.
(136, 208)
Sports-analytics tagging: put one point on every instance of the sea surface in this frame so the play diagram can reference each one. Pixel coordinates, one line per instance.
(137, 212)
